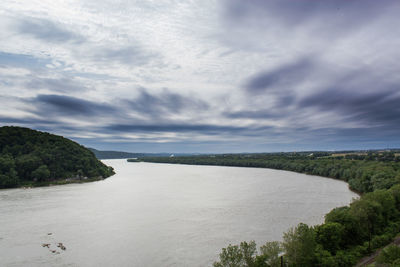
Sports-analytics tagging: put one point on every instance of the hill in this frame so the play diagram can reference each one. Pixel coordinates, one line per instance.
(29, 157)
(101, 154)
(115, 154)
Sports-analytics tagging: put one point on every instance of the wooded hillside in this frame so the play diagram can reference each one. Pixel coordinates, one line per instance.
(37, 157)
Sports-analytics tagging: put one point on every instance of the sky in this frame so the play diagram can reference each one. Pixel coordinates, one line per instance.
(204, 76)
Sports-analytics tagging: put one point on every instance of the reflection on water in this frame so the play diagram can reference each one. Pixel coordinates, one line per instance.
(159, 215)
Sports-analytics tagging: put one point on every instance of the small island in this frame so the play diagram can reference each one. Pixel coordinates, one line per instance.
(32, 158)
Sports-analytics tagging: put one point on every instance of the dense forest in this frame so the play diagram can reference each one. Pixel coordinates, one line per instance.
(348, 233)
(29, 157)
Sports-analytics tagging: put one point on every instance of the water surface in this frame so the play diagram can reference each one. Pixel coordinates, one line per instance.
(152, 214)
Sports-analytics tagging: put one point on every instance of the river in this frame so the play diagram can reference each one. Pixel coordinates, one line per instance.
(152, 214)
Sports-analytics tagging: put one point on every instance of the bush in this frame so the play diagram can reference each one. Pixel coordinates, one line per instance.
(389, 254)
(381, 240)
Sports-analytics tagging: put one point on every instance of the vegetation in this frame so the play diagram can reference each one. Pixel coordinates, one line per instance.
(29, 157)
(348, 233)
(246, 255)
(390, 256)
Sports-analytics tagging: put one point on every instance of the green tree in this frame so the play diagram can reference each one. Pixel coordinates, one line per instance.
(231, 256)
(238, 256)
(249, 251)
(352, 233)
(41, 174)
(389, 254)
(387, 202)
(299, 245)
(8, 175)
(329, 235)
(368, 214)
(270, 252)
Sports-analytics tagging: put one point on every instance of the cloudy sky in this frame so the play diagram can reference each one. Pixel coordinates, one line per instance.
(204, 75)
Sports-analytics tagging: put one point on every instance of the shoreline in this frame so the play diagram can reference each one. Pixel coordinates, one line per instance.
(215, 165)
(30, 184)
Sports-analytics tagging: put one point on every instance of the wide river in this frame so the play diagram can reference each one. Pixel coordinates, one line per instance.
(159, 215)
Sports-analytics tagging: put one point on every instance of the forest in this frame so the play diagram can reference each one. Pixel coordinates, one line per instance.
(348, 233)
(31, 158)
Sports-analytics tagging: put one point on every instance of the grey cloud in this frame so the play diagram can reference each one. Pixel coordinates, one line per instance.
(381, 107)
(278, 27)
(133, 55)
(64, 84)
(361, 96)
(284, 75)
(62, 105)
(25, 121)
(185, 127)
(254, 114)
(164, 103)
(341, 15)
(48, 31)
(157, 107)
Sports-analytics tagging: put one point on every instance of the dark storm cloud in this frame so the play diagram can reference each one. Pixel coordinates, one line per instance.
(283, 75)
(62, 105)
(362, 96)
(157, 105)
(339, 14)
(48, 31)
(381, 107)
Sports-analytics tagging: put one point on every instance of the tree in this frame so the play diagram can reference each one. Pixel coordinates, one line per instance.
(387, 202)
(389, 254)
(352, 233)
(231, 256)
(368, 214)
(41, 174)
(270, 253)
(8, 175)
(244, 255)
(299, 244)
(329, 235)
(248, 250)
(395, 191)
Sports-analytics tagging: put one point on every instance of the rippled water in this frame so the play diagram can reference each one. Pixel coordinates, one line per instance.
(159, 214)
